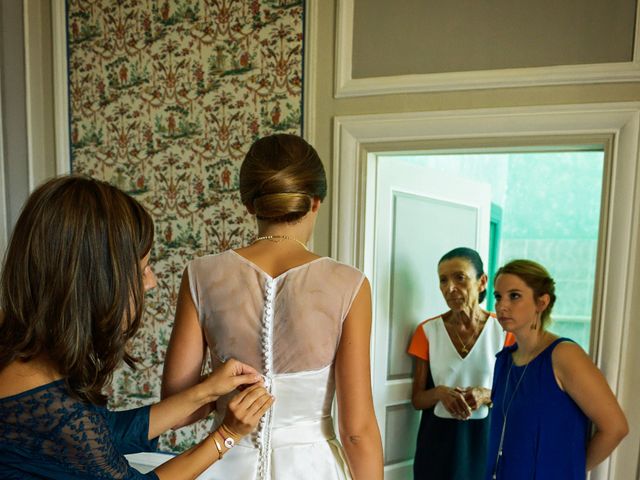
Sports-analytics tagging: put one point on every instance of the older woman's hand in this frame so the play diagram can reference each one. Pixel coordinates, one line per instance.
(475, 397)
(454, 402)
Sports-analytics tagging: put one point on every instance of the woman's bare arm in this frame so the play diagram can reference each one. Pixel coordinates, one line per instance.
(357, 422)
(186, 352)
(585, 384)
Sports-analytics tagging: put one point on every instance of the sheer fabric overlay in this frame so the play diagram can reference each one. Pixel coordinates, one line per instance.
(287, 327)
(308, 305)
(45, 433)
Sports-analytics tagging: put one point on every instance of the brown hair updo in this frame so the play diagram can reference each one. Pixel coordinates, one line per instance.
(280, 176)
(71, 285)
(537, 279)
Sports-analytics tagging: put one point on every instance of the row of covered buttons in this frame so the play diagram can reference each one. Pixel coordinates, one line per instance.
(267, 346)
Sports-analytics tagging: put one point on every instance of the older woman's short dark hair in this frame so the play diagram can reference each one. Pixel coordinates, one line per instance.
(71, 285)
(473, 258)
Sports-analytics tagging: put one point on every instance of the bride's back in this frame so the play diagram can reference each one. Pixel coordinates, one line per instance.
(285, 320)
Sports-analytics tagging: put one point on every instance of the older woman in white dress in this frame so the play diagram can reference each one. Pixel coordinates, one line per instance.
(303, 321)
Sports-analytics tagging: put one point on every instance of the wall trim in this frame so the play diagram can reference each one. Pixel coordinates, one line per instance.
(346, 86)
(38, 89)
(358, 140)
(60, 87)
(3, 189)
(309, 74)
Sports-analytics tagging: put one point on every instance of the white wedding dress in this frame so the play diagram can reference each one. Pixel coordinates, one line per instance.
(287, 327)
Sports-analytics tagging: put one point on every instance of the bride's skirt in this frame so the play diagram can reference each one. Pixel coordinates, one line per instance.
(322, 460)
(296, 439)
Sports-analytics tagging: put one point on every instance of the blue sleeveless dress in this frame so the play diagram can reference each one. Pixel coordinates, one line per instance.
(546, 434)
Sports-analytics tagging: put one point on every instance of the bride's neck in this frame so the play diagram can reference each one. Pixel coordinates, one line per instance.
(300, 230)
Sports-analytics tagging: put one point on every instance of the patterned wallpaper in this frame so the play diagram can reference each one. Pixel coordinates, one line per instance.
(165, 99)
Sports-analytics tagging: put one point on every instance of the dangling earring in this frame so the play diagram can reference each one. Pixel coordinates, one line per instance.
(534, 324)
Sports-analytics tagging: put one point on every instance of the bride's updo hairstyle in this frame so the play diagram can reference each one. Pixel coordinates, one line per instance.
(280, 176)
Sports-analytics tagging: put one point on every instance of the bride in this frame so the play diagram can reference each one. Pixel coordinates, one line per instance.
(303, 321)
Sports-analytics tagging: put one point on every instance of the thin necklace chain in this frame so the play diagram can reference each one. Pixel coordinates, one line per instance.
(279, 238)
(505, 413)
(465, 349)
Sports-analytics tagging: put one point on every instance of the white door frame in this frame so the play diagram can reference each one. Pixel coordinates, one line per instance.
(358, 140)
(60, 86)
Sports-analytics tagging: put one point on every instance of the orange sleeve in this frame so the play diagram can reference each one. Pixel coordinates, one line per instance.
(419, 346)
(509, 340)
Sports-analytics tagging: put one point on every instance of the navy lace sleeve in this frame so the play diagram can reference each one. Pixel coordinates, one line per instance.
(45, 433)
(130, 429)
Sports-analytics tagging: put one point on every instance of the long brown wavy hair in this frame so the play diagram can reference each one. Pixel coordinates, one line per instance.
(71, 286)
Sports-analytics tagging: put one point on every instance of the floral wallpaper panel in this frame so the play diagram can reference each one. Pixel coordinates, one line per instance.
(165, 99)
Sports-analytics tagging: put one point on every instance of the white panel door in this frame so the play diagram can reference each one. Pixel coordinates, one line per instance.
(420, 214)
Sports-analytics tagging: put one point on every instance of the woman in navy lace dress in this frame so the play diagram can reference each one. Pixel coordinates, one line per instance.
(71, 294)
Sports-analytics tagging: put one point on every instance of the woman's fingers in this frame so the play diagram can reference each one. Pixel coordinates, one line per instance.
(249, 391)
(246, 408)
(247, 379)
(229, 376)
(470, 399)
(457, 406)
(261, 405)
(239, 368)
(249, 401)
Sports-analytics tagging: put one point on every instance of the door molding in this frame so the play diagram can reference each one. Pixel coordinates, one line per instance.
(347, 86)
(62, 120)
(359, 139)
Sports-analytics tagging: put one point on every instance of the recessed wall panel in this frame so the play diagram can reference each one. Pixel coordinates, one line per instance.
(402, 422)
(431, 36)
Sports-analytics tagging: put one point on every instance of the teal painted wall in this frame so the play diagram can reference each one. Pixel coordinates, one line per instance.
(552, 215)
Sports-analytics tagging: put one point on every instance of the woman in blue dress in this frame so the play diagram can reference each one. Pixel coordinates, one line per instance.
(71, 295)
(545, 390)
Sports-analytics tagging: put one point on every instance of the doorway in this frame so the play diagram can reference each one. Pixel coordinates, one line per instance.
(360, 144)
(545, 206)
(539, 205)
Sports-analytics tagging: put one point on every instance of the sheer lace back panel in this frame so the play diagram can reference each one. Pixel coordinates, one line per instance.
(307, 306)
